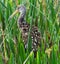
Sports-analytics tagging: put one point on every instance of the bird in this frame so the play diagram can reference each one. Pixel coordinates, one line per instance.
(24, 28)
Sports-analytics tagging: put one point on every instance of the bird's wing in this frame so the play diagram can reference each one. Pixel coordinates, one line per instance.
(36, 37)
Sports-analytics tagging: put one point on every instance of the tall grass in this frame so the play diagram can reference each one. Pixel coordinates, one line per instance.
(42, 13)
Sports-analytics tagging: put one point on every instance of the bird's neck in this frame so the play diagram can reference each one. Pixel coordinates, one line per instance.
(20, 21)
(22, 15)
(21, 18)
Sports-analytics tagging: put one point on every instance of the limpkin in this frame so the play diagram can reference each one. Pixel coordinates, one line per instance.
(24, 27)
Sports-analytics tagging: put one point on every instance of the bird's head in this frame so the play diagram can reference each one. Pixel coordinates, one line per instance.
(21, 9)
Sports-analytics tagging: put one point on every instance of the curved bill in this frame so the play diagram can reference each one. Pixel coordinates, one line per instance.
(13, 14)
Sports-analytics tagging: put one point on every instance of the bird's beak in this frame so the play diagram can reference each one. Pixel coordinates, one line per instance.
(16, 11)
